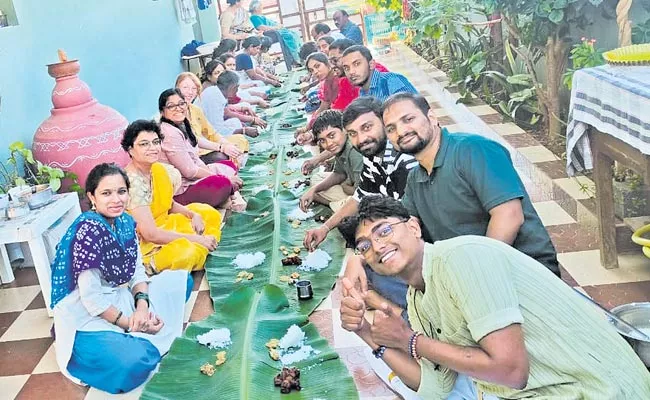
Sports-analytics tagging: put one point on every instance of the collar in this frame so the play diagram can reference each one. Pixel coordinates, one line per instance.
(421, 174)
(347, 147)
(374, 82)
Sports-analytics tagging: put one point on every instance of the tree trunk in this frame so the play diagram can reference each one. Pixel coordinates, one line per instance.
(496, 41)
(556, 55)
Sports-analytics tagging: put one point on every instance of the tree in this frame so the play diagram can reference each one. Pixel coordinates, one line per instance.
(544, 25)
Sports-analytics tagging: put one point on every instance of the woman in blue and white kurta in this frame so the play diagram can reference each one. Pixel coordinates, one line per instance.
(103, 338)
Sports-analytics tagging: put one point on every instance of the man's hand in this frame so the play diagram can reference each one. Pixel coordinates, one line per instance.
(307, 199)
(314, 237)
(389, 329)
(356, 274)
(353, 308)
(308, 166)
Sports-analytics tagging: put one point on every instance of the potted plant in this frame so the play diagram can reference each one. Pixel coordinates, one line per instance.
(37, 183)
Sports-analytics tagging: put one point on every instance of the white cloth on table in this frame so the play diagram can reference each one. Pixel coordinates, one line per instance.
(80, 309)
(214, 103)
(613, 100)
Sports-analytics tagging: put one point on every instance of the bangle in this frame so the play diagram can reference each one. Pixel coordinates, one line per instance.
(413, 341)
(141, 296)
(327, 226)
(119, 315)
(379, 352)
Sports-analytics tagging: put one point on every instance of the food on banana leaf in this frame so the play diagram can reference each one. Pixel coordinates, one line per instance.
(207, 369)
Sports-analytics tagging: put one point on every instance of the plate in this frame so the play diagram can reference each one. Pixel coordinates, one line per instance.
(637, 54)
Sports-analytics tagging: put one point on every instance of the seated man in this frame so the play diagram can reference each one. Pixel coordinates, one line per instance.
(337, 47)
(322, 29)
(247, 65)
(349, 29)
(333, 189)
(227, 119)
(481, 308)
(359, 67)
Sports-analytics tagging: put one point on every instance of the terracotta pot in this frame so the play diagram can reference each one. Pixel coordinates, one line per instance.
(80, 132)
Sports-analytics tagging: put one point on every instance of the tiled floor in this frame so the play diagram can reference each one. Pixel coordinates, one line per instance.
(28, 369)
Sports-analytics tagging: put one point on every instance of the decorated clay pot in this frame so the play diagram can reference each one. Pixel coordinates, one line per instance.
(80, 132)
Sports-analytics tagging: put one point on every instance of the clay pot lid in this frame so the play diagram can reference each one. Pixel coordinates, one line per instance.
(61, 69)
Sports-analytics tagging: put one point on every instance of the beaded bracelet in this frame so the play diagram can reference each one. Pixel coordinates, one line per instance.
(119, 315)
(413, 341)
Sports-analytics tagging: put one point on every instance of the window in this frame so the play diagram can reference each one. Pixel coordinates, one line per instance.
(7, 14)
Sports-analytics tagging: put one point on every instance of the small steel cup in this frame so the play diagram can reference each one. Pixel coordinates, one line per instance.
(305, 292)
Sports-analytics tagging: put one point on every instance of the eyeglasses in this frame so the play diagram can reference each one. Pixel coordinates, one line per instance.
(380, 235)
(147, 144)
(179, 106)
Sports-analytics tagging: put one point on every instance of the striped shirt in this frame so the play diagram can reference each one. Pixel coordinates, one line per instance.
(477, 285)
(385, 174)
(384, 84)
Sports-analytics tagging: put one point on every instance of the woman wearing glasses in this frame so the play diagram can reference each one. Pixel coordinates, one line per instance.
(172, 236)
(214, 184)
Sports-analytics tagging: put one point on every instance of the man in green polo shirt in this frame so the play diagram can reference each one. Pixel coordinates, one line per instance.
(480, 308)
(465, 184)
(333, 189)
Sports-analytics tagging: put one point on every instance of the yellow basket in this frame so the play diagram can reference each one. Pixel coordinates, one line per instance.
(637, 237)
(637, 54)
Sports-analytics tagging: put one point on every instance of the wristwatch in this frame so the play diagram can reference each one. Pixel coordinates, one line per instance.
(379, 352)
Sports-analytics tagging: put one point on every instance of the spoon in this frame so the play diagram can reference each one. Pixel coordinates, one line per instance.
(630, 327)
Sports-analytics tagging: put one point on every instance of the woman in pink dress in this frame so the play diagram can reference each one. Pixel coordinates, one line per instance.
(212, 184)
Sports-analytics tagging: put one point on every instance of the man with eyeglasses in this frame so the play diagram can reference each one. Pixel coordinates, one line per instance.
(487, 321)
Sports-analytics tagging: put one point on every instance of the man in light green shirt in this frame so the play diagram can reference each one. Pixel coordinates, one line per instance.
(481, 308)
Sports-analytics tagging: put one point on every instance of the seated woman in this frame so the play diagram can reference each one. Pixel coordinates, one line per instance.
(212, 146)
(211, 73)
(235, 21)
(225, 46)
(112, 323)
(211, 184)
(328, 90)
(289, 40)
(248, 68)
(172, 236)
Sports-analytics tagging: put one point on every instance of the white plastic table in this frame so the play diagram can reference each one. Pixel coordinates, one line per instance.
(30, 229)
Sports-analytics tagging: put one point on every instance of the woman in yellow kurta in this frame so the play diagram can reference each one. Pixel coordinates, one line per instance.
(216, 147)
(172, 236)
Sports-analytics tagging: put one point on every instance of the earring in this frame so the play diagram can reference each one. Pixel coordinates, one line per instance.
(93, 208)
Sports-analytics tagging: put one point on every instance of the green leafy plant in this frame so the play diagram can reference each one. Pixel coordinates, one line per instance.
(583, 55)
(36, 173)
(253, 319)
(641, 32)
(467, 60)
(544, 25)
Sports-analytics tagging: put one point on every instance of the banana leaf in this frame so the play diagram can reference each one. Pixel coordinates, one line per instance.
(264, 226)
(254, 230)
(253, 318)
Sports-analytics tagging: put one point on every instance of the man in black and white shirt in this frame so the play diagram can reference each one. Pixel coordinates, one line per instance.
(384, 173)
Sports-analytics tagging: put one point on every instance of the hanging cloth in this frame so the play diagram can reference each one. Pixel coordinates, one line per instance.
(185, 11)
